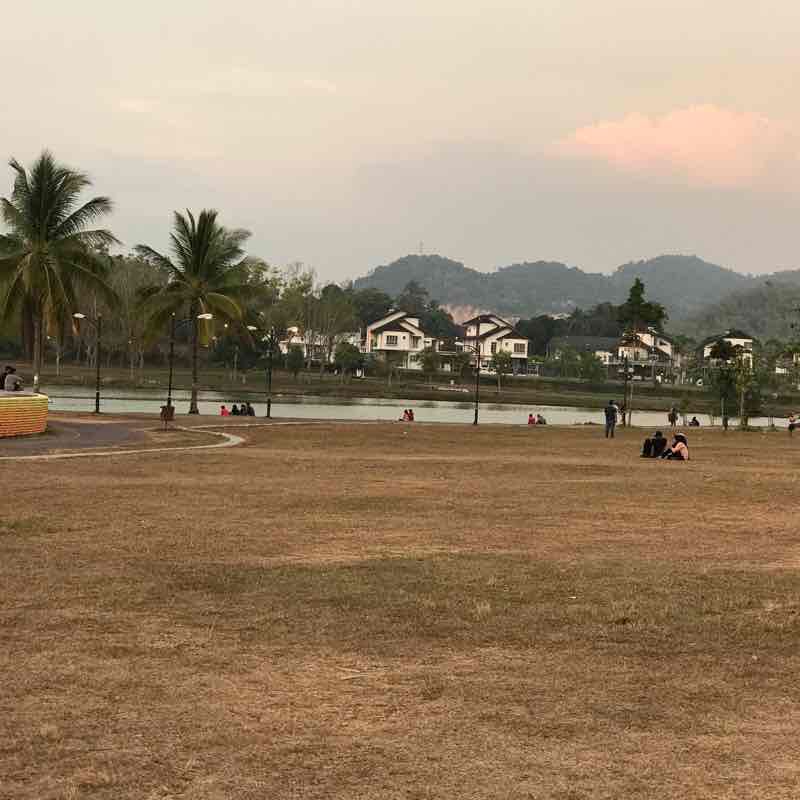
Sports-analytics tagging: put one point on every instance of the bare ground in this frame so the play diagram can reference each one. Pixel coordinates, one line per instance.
(388, 611)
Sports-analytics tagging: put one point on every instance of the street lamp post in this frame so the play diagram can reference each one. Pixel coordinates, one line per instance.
(98, 329)
(270, 339)
(171, 358)
(173, 327)
(476, 349)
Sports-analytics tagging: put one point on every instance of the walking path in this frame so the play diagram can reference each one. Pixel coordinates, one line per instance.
(81, 437)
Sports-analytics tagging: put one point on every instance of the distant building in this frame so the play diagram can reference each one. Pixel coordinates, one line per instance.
(398, 336)
(649, 346)
(491, 334)
(315, 346)
(741, 342)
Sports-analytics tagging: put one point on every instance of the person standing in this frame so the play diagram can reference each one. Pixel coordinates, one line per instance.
(612, 413)
(673, 417)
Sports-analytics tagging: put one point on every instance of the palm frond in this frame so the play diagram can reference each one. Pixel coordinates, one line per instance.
(225, 306)
(81, 218)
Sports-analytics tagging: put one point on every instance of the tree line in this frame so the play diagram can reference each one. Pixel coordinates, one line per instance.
(59, 280)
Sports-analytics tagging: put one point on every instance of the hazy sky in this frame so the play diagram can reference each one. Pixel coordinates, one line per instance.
(343, 134)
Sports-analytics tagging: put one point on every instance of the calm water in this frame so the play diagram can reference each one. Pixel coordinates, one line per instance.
(363, 409)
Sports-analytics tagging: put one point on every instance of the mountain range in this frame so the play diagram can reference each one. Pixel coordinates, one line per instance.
(687, 286)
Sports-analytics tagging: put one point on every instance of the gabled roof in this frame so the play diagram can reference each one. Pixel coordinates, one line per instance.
(393, 315)
(501, 330)
(494, 319)
(396, 322)
(733, 333)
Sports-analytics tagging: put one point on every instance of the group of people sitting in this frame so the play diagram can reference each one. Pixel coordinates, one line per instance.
(11, 382)
(656, 447)
(245, 410)
(408, 415)
(536, 419)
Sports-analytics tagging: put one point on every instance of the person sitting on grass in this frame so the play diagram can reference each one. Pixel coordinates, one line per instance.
(223, 411)
(694, 422)
(531, 419)
(792, 423)
(678, 450)
(654, 446)
(234, 410)
(540, 420)
(251, 412)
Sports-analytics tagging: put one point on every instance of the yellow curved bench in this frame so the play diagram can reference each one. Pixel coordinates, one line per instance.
(22, 413)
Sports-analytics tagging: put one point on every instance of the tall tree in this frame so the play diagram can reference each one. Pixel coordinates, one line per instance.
(637, 314)
(370, 305)
(208, 276)
(336, 317)
(413, 299)
(52, 248)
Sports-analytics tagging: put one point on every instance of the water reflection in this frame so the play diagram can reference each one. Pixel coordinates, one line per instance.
(359, 408)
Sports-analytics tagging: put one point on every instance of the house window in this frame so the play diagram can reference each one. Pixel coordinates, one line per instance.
(519, 348)
(391, 341)
(494, 347)
(415, 340)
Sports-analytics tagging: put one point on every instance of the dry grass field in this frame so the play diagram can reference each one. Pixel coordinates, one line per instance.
(381, 611)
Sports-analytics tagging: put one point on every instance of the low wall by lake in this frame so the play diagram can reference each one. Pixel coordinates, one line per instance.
(22, 413)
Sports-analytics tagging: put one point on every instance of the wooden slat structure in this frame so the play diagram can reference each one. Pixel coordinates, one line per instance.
(22, 413)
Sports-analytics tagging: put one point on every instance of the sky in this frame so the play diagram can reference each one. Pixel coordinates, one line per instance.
(347, 133)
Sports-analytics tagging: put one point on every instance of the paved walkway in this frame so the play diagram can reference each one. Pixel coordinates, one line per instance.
(78, 433)
(86, 437)
(75, 435)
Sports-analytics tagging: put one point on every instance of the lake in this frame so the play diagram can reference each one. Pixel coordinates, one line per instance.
(64, 398)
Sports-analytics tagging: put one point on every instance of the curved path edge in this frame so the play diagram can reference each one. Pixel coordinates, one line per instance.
(229, 440)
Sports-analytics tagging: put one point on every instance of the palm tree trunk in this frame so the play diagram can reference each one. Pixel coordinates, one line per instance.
(26, 323)
(193, 408)
(37, 351)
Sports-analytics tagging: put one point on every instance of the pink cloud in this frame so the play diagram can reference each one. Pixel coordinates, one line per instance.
(704, 145)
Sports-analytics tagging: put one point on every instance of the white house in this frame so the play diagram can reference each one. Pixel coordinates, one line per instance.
(490, 334)
(315, 347)
(741, 342)
(649, 346)
(399, 336)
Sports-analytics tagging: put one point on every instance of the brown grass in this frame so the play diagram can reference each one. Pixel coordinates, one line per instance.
(380, 611)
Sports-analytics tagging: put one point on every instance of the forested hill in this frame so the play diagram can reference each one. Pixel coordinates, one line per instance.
(684, 284)
(766, 311)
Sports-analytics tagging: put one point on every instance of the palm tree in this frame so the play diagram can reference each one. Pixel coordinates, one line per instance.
(206, 277)
(51, 249)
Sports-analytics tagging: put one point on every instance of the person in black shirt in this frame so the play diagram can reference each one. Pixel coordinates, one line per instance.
(655, 446)
(611, 411)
